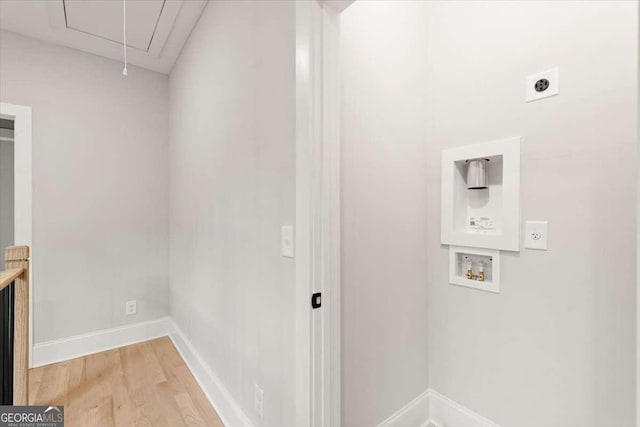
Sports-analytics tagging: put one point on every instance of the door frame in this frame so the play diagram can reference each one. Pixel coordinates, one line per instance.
(23, 185)
(318, 236)
(638, 250)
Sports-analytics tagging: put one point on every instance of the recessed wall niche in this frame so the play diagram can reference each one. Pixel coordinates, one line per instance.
(481, 195)
(475, 268)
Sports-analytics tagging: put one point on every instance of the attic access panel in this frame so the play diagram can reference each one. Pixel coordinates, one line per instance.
(104, 19)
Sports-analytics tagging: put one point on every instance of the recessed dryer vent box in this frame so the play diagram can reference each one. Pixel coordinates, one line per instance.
(481, 195)
(475, 268)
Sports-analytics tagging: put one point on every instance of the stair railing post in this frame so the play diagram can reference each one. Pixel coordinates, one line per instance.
(18, 257)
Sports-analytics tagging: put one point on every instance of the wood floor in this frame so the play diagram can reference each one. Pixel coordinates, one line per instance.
(146, 384)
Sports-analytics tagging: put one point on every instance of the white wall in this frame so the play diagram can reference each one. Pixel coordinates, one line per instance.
(384, 188)
(556, 347)
(558, 344)
(6, 189)
(232, 176)
(100, 185)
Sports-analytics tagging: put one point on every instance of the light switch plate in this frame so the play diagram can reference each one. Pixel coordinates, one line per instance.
(535, 235)
(542, 85)
(286, 241)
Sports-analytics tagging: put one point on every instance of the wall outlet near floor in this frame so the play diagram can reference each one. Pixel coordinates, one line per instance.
(535, 235)
(258, 399)
(131, 307)
(286, 241)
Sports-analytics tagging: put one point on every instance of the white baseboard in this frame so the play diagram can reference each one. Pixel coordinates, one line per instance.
(55, 351)
(225, 405)
(413, 414)
(446, 412)
(431, 409)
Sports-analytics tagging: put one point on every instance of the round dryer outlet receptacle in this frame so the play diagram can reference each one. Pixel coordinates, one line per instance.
(542, 85)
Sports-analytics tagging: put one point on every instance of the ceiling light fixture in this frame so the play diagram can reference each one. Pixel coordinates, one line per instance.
(124, 34)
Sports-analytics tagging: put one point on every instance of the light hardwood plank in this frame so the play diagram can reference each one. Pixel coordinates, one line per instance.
(145, 384)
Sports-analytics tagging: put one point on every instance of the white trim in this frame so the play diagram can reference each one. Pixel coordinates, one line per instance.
(224, 404)
(318, 117)
(23, 184)
(446, 412)
(331, 225)
(638, 260)
(304, 158)
(413, 414)
(338, 6)
(432, 409)
(55, 351)
(325, 94)
(317, 214)
(637, 256)
(509, 237)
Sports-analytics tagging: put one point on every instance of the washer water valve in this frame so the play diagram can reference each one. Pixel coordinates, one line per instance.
(481, 272)
(469, 273)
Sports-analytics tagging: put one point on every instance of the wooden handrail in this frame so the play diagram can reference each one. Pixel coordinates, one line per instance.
(17, 262)
(7, 277)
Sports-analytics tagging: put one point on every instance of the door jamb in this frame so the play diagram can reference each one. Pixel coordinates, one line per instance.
(23, 179)
(318, 235)
(306, 125)
(331, 193)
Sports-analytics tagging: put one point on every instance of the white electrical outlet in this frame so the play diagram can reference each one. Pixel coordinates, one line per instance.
(536, 235)
(286, 241)
(542, 85)
(258, 399)
(131, 307)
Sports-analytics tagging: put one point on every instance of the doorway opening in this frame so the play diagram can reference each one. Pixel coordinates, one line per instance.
(6, 183)
(16, 186)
